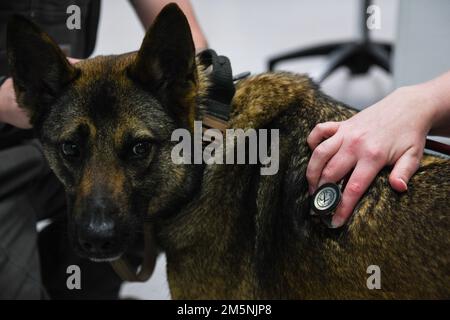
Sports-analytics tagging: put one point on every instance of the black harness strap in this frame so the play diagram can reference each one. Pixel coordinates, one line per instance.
(221, 91)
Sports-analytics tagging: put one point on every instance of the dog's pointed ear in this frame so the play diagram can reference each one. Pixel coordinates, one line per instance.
(38, 66)
(166, 58)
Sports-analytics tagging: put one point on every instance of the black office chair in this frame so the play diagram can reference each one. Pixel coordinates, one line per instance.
(358, 56)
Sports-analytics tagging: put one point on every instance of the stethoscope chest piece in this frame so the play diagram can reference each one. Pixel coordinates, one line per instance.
(326, 198)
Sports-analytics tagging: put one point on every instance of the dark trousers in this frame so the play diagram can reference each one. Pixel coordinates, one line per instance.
(32, 265)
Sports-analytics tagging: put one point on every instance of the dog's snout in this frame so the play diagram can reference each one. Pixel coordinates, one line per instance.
(97, 235)
(97, 229)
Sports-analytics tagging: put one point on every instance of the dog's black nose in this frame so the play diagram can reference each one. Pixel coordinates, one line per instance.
(97, 235)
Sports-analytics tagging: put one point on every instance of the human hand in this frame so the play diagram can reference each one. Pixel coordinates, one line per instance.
(10, 112)
(391, 132)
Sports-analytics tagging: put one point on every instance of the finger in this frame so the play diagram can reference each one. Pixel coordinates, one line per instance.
(338, 167)
(73, 60)
(321, 132)
(404, 169)
(23, 120)
(364, 173)
(319, 158)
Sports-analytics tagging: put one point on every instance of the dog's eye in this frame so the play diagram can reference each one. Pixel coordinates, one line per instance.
(70, 149)
(141, 149)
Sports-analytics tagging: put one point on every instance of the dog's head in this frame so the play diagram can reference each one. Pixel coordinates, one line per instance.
(106, 125)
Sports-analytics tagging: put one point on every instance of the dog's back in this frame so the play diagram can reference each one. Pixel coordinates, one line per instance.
(251, 236)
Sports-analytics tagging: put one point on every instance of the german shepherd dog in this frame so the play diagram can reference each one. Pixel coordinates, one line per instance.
(228, 232)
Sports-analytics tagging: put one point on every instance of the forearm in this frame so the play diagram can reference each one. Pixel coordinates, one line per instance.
(437, 92)
(147, 11)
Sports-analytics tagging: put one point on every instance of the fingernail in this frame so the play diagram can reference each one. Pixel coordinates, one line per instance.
(336, 223)
(405, 186)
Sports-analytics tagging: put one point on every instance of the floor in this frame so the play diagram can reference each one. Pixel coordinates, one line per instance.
(249, 32)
